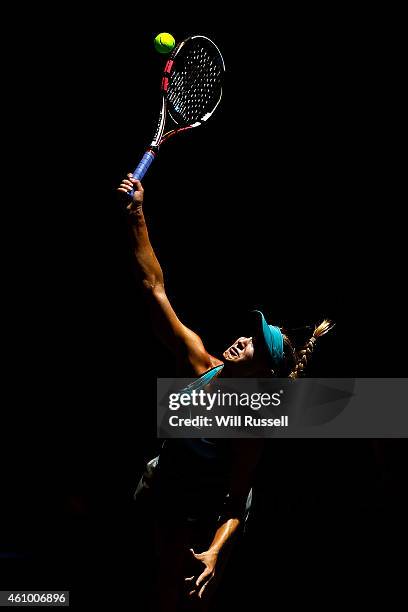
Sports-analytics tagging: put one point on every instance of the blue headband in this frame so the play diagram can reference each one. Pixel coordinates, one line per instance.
(273, 338)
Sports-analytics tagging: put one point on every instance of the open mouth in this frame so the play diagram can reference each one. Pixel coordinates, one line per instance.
(233, 351)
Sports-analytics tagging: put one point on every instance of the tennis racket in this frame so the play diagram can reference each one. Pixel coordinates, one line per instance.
(191, 90)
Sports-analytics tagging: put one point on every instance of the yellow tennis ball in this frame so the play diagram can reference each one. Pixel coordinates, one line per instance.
(164, 42)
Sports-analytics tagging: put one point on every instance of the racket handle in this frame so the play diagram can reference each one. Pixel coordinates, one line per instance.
(143, 167)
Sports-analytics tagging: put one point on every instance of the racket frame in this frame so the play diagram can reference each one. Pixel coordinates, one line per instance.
(160, 137)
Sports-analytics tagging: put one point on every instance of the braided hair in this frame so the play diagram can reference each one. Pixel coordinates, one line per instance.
(301, 358)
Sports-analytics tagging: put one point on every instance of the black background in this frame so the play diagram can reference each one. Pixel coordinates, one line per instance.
(285, 201)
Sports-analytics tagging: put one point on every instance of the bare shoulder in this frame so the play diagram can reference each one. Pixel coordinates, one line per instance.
(195, 361)
(212, 363)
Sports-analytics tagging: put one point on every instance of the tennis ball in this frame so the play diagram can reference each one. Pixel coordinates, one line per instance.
(164, 42)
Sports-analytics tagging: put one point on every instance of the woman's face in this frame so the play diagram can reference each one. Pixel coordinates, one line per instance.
(242, 351)
(247, 357)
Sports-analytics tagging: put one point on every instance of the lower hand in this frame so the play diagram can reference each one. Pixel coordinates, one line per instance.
(127, 185)
(199, 585)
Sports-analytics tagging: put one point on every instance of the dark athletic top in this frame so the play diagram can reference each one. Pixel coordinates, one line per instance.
(191, 476)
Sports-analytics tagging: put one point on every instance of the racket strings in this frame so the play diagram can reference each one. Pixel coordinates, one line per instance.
(187, 86)
(195, 85)
(191, 101)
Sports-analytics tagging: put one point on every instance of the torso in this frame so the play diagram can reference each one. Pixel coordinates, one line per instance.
(196, 470)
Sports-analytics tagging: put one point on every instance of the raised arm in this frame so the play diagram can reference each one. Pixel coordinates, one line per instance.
(186, 345)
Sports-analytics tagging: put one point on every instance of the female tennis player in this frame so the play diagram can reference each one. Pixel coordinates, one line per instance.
(201, 489)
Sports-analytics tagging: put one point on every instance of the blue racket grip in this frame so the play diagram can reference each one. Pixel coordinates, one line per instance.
(142, 168)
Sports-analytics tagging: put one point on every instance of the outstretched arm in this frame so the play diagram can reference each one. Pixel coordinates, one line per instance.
(245, 457)
(186, 345)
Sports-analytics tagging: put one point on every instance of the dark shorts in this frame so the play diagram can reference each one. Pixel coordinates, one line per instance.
(193, 502)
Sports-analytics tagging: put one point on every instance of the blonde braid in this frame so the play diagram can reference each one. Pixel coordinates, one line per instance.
(303, 355)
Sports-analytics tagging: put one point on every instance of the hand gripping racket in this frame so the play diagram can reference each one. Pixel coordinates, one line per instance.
(191, 90)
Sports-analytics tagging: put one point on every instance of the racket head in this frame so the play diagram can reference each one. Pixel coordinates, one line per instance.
(192, 81)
